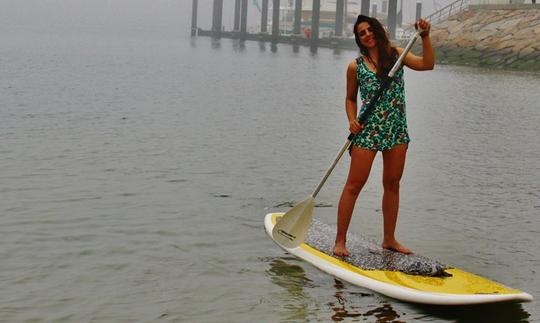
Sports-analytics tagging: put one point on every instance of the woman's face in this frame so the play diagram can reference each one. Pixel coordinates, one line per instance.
(367, 37)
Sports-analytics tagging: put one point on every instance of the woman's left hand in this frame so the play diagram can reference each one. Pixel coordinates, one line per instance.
(424, 25)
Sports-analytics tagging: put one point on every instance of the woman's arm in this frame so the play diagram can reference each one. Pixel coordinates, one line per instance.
(351, 106)
(427, 60)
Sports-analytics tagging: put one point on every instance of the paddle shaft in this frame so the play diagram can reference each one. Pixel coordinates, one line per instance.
(368, 110)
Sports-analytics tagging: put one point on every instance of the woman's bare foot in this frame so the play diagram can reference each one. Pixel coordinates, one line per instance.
(396, 246)
(340, 250)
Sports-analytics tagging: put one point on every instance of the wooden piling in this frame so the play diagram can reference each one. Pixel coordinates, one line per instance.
(217, 16)
(194, 18)
(264, 17)
(391, 22)
(315, 18)
(364, 8)
(236, 15)
(297, 17)
(275, 18)
(243, 16)
(340, 6)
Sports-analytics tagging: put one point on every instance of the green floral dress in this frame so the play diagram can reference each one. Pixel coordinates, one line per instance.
(386, 127)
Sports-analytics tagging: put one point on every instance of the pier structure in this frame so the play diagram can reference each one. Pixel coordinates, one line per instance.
(306, 22)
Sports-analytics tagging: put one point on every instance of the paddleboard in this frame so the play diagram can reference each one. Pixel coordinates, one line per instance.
(410, 278)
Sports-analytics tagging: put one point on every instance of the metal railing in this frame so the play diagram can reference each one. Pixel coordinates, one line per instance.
(444, 13)
(436, 17)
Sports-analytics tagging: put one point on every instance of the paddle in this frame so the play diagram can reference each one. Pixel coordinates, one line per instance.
(291, 229)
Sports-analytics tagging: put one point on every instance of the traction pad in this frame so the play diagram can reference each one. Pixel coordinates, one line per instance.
(367, 255)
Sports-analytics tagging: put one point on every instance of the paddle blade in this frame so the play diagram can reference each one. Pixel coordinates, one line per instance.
(291, 229)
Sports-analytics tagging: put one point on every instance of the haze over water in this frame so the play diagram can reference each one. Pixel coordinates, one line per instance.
(137, 165)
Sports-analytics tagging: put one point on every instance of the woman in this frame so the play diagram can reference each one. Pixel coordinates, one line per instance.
(386, 127)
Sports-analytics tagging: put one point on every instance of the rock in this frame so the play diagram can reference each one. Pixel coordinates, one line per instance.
(524, 44)
(526, 20)
(472, 54)
(453, 52)
(455, 29)
(526, 51)
(533, 65)
(481, 35)
(514, 65)
(511, 59)
(508, 24)
(492, 61)
(533, 55)
(465, 43)
(498, 44)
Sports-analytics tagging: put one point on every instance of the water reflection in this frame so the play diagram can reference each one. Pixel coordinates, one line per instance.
(345, 309)
(215, 42)
(239, 45)
(262, 46)
(273, 47)
(293, 279)
(502, 312)
(340, 310)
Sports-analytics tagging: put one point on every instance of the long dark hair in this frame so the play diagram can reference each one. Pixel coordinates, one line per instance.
(387, 53)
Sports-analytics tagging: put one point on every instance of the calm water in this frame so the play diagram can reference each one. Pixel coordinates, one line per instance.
(137, 167)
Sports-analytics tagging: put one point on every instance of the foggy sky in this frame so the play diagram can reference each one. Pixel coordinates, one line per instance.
(205, 10)
(133, 15)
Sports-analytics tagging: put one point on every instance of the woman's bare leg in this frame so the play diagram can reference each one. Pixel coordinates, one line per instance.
(361, 161)
(394, 163)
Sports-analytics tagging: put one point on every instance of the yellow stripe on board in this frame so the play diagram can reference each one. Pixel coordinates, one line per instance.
(461, 282)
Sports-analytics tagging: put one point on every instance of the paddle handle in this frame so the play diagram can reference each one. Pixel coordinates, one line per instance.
(368, 109)
(329, 171)
(405, 51)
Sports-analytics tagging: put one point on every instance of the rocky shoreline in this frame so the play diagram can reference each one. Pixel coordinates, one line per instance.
(495, 37)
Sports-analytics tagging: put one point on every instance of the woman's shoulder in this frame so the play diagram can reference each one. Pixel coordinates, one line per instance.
(354, 63)
(352, 69)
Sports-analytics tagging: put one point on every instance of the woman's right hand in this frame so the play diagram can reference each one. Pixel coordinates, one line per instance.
(355, 126)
